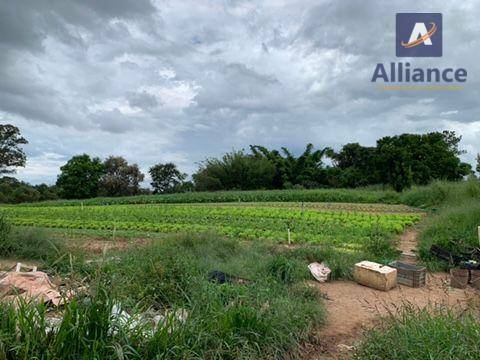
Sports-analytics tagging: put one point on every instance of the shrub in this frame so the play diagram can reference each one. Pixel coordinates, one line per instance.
(422, 334)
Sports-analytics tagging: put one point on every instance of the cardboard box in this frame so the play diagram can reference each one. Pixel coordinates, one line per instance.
(377, 276)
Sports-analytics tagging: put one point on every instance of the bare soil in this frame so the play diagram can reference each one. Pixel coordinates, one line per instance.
(99, 245)
(353, 309)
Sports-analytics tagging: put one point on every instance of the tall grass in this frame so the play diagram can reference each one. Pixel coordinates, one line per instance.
(455, 215)
(423, 334)
(30, 244)
(442, 193)
(267, 318)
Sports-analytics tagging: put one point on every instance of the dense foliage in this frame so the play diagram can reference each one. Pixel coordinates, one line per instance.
(235, 171)
(397, 161)
(13, 191)
(166, 178)
(119, 178)
(11, 154)
(79, 177)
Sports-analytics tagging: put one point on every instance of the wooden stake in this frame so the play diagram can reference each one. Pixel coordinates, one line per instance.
(289, 239)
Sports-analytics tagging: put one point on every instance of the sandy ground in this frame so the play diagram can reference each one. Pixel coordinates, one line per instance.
(353, 309)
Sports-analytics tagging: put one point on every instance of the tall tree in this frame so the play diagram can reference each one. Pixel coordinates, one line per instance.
(235, 170)
(419, 159)
(120, 178)
(306, 170)
(358, 165)
(79, 177)
(11, 154)
(166, 178)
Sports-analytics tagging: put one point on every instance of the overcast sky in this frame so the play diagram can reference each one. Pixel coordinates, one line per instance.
(158, 81)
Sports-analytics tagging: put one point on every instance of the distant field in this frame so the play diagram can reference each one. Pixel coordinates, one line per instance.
(316, 195)
(341, 225)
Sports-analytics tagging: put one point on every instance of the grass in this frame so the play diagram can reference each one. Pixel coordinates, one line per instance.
(345, 229)
(423, 334)
(268, 318)
(359, 195)
(454, 217)
(29, 244)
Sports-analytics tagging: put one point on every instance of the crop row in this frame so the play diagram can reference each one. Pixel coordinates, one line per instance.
(305, 225)
(297, 195)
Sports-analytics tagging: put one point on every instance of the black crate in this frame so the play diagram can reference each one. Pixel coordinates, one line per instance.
(408, 274)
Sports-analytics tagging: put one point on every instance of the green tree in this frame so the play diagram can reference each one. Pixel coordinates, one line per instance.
(419, 159)
(119, 178)
(358, 165)
(11, 154)
(235, 170)
(79, 177)
(166, 178)
(306, 170)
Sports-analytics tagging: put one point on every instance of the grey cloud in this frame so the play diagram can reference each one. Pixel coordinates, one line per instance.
(190, 79)
(142, 100)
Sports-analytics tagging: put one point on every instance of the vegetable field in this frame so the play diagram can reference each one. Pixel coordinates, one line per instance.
(336, 224)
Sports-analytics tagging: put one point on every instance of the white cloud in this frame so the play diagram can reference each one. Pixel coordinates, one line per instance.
(184, 80)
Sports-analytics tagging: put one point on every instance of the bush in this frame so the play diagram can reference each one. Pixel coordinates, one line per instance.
(421, 334)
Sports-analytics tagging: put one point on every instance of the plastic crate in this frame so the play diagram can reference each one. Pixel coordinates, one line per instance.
(409, 275)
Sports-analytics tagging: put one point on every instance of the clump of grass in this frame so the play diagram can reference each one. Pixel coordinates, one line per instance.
(266, 318)
(423, 334)
(454, 228)
(440, 193)
(29, 244)
(282, 269)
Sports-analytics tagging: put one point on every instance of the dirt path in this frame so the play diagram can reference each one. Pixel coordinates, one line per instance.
(408, 245)
(352, 309)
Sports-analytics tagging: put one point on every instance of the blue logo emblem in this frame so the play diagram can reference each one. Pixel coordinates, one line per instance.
(419, 35)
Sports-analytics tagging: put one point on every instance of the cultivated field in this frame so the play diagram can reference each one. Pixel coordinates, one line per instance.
(157, 255)
(340, 225)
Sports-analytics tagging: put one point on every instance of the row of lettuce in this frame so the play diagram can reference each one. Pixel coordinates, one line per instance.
(277, 223)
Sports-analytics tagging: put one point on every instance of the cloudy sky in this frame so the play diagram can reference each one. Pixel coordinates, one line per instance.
(183, 80)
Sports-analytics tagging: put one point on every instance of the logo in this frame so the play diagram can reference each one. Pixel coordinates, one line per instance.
(419, 35)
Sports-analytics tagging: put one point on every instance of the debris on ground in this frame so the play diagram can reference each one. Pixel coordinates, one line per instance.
(220, 277)
(467, 260)
(377, 276)
(30, 285)
(353, 308)
(320, 272)
(149, 321)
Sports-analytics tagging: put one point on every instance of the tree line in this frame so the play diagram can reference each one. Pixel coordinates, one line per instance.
(396, 161)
